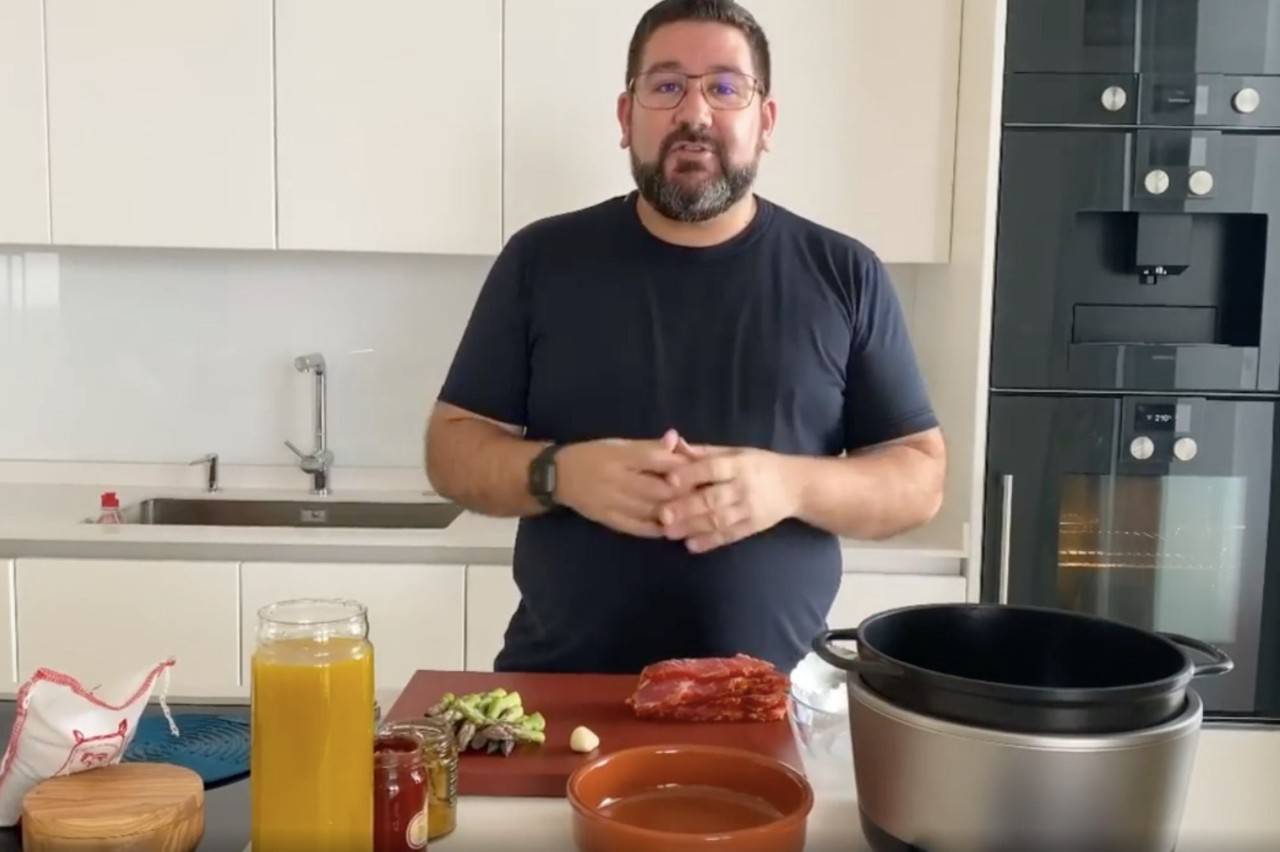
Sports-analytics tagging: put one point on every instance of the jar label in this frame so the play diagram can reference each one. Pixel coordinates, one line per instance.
(416, 834)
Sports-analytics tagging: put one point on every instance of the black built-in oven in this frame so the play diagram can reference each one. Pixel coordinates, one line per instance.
(1133, 463)
(1160, 511)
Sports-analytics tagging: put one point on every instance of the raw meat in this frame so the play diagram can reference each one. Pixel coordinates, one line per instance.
(673, 692)
(713, 713)
(725, 689)
(743, 708)
(707, 668)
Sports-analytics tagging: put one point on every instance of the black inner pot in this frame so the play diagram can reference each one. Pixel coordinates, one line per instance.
(1025, 669)
(1024, 647)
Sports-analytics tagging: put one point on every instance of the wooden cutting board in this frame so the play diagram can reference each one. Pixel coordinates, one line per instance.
(568, 701)
(129, 807)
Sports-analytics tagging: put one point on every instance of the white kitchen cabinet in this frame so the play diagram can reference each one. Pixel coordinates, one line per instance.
(867, 558)
(492, 598)
(863, 594)
(389, 125)
(8, 629)
(415, 611)
(160, 122)
(564, 69)
(865, 141)
(24, 157)
(867, 114)
(98, 618)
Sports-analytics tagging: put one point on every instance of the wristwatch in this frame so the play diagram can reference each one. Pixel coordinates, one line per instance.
(542, 476)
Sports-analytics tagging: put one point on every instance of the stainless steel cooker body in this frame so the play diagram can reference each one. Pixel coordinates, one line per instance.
(939, 786)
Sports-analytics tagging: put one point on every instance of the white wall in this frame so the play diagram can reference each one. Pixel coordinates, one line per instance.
(147, 355)
(143, 355)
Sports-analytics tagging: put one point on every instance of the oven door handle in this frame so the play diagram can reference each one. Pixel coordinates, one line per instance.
(1006, 533)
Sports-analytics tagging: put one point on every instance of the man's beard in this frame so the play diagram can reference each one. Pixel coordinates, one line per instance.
(702, 201)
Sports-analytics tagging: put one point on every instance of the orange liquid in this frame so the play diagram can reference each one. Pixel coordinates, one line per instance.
(691, 809)
(311, 765)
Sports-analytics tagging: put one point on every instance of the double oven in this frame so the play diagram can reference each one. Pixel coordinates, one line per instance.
(1133, 460)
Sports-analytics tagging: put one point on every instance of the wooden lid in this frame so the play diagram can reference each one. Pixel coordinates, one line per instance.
(124, 800)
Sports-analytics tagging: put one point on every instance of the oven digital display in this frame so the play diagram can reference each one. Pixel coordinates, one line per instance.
(1157, 417)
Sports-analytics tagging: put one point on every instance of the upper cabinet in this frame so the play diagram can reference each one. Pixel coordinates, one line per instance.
(389, 125)
(24, 163)
(431, 126)
(160, 122)
(565, 66)
(865, 140)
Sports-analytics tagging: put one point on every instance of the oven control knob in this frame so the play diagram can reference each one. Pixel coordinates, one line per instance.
(1185, 449)
(1246, 101)
(1115, 97)
(1156, 181)
(1142, 448)
(1200, 182)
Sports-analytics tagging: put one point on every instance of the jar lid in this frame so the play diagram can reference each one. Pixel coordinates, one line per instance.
(436, 734)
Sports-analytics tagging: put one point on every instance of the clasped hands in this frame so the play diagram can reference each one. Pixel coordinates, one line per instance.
(705, 496)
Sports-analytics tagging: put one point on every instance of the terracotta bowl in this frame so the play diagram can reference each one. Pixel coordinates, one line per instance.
(685, 797)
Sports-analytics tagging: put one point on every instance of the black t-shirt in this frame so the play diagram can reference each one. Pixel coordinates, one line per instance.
(788, 337)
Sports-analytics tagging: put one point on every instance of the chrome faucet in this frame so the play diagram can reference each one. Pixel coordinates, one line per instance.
(211, 482)
(319, 460)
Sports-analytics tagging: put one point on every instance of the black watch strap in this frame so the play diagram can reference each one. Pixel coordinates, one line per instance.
(542, 475)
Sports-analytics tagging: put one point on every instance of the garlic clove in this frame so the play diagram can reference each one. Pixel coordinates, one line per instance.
(583, 740)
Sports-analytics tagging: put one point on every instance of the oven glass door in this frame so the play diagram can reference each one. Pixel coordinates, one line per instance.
(1153, 511)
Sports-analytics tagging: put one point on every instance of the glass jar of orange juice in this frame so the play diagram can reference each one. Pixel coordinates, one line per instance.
(312, 731)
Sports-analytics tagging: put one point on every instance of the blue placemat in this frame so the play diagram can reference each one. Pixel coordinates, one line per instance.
(214, 747)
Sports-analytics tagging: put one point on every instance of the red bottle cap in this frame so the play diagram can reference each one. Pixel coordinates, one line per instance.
(110, 501)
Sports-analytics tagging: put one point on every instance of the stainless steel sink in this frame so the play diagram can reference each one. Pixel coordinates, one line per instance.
(292, 513)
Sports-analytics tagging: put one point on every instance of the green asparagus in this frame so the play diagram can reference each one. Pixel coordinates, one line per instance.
(492, 722)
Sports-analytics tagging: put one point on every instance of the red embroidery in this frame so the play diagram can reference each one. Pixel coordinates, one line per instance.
(89, 752)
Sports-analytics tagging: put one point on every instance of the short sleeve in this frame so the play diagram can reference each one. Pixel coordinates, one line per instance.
(489, 375)
(885, 396)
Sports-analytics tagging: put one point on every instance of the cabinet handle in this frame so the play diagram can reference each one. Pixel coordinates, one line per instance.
(1006, 523)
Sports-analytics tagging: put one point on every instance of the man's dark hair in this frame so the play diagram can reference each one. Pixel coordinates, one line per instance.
(714, 11)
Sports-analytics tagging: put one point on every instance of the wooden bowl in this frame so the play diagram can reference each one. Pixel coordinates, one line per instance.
(687, 798)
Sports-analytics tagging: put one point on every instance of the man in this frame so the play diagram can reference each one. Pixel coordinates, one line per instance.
(686, 393)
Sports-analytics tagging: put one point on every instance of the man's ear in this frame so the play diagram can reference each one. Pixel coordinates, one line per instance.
(768, 121)
(624, 118)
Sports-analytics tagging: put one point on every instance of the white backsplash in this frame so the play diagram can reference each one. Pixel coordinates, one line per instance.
(146, 355)
(142, 355)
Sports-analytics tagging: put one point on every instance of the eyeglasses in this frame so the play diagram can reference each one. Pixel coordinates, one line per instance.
(667, 89)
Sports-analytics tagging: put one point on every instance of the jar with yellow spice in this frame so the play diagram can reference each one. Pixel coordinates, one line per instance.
(440, 754)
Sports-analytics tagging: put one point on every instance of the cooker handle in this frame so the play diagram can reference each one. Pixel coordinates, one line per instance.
(844, 659)
(1221, 662)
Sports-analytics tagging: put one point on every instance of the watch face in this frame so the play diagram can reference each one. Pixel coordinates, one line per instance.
(542, 478)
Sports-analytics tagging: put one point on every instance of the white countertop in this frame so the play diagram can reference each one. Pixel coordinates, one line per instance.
(49, 519)
(1233, 806)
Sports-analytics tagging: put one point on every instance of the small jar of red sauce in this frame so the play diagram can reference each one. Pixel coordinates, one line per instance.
(399, 793)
